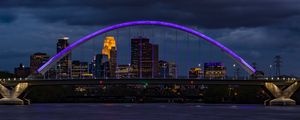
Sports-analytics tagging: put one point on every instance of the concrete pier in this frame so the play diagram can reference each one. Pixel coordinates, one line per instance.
(10, 97)
(282, 97)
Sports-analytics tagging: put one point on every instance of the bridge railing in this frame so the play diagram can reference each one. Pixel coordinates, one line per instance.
(179, 78)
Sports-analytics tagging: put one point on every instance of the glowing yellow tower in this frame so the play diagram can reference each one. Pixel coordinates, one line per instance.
(109, 43)
(110, 49)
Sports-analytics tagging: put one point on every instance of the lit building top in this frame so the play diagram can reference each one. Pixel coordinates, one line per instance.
(109, 43)
(65, 38)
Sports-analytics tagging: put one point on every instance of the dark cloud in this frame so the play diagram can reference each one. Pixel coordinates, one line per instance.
(7, 17)
(206, 13)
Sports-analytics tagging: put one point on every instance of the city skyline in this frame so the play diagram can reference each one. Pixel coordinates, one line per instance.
(149, 59)
(109, 43)
(267, 33)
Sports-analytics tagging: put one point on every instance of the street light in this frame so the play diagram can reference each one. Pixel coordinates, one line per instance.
(128, 73)
(165, 70)
(234, 71)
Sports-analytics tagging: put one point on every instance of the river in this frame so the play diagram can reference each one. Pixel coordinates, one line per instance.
(147, 112)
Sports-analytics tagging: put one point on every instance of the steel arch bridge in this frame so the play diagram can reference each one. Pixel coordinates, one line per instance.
(44, 68)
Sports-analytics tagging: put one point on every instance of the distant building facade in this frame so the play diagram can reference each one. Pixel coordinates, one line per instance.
(110, 50)
(163, 69)
(144, 58)
(37, 60)
(101, 66)
(214, 70)
(124, 71)
(22, 71)
(195, 73)
(65, 64)
(79, 69)
(172, 70)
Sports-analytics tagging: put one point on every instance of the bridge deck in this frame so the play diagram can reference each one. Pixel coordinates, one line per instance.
(146, 81)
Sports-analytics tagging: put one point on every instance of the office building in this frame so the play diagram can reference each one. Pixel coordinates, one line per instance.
(214, 70)
(65, 64)
(110, 50)
(195, 73)
(144, 58)
(79, 69)
(37, 60)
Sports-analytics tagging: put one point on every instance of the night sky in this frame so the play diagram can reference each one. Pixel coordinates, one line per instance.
(257, 30)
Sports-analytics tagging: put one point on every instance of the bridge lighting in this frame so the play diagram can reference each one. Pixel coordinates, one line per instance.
(101, 81)
(191, 82)
(128, 71)
(65, 38)
(146, 85)
(44, 68)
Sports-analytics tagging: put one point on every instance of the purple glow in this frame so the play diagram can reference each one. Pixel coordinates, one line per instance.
(64, 52)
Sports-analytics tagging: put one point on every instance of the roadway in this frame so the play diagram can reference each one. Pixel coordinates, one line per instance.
(43, 82)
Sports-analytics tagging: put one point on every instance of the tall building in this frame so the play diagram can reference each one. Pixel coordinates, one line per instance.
(155, 58)
(79, 69)
(172, 70)
(214, 70)
(110, 50)
(22, 71)
(37, 60)
(144, 58)
(65, 64)
(101, 66)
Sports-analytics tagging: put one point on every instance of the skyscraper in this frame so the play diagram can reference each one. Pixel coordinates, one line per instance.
(100, 66)
(144, 58)
(65, 64)
(37, 60)
(110, 50)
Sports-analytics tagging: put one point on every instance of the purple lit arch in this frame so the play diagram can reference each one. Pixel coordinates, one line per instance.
(43, 69)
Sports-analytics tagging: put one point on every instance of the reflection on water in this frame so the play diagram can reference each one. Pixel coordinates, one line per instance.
(147, 112)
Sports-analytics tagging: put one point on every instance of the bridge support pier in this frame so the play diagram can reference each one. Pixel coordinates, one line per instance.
(282, 97)
(10, 97)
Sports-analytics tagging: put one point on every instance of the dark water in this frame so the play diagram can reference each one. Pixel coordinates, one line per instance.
(147, 112)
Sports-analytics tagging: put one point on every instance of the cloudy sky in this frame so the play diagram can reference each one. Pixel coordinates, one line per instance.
(255, 29)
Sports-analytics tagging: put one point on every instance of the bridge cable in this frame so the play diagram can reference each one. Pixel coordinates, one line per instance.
(177, 56)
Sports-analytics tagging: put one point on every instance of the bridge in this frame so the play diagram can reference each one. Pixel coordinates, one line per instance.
(281, 90)
(282, 96)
